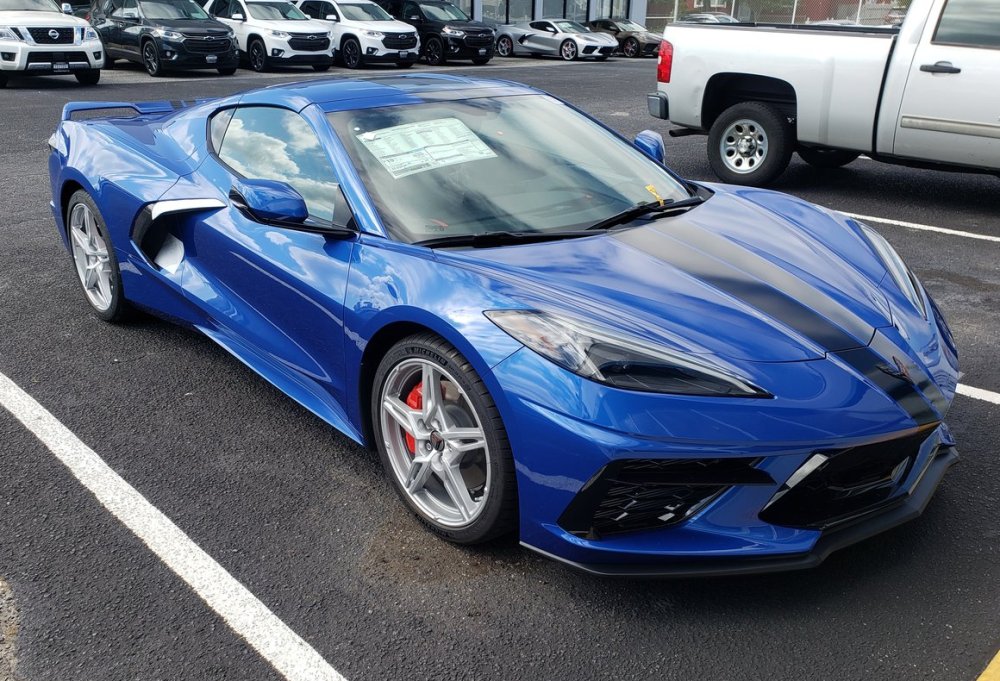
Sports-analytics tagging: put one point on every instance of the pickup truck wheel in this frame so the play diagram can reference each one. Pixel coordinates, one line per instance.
(91, 77)
(827, 158)
(750, 143)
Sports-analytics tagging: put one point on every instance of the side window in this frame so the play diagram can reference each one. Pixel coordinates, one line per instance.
(327, 9)
(217, 128)
(410, 9)
(275, 144)
(127, 10)
(310, 9)
(539, 25)
(971, 23)
(220, 8)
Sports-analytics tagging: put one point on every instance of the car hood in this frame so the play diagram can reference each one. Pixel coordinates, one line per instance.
(597, 38)
(50, 19)
(749, 275)
(193, 26)
(381, 26)
(292, 26)
(473, 26)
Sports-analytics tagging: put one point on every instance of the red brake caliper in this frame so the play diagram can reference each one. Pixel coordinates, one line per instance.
(415, 400)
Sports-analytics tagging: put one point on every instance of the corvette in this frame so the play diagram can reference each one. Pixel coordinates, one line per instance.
(541, 329)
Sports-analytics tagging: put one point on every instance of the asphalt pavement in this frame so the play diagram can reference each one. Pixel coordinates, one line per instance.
(305, 520)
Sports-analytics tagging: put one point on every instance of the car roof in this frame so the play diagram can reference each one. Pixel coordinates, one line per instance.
(341, 94)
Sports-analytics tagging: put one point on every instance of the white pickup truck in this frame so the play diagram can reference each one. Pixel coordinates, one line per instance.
(37, 38)
(927, 95)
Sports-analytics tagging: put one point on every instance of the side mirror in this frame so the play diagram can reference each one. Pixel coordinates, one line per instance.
(651, 144)
(67, 8)
(269, 202)
(237, 17)
(332, 17)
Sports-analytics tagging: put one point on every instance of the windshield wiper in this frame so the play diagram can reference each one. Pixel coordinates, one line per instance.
(488, 239)
(641, 209)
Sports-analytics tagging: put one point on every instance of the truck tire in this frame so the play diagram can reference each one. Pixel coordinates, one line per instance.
(91, 77)
(827, 158)
(750, 143)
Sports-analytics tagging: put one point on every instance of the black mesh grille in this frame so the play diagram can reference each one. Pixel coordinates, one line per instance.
(846, 484)
(51, 57)
(309, 44)
(52, 36)
(479, 40)
(202, 46)
(400, 41)
(642, 494)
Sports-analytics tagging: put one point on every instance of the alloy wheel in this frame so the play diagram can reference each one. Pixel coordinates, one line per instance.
(743, 146)
(352, 54)
(505, 47)
(90, 254)
(151, 59)
(631, 48)
(257, 56)
(568, 50)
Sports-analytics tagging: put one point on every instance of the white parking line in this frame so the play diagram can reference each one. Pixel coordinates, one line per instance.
(979, 394)
(285, 650)
(923, 228)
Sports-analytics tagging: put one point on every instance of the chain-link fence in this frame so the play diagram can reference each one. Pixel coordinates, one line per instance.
(659, 13)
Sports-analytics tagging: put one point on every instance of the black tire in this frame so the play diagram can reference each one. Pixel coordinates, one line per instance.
(480, 61)
(350, 54)
(568, 50)
(151, 59)
(120, 309)
(767, 123)
(257, 55)
(3, 81)
(227, 71)
(631, 48)
(505, 46)
(91, 77)
(321, 67)
(499, 516)
(404, 64)
(109, 61)
(434, 51)
(827, 158)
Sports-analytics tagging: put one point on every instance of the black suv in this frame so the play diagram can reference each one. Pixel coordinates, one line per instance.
(164, 34)
(446, 32)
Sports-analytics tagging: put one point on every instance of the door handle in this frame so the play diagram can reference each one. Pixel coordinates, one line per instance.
(940, 67)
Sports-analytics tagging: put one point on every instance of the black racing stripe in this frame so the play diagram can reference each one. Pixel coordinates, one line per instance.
(758, 282)
(793, 302)
(886, 348)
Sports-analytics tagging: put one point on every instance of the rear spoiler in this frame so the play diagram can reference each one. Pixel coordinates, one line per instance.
(140, 108)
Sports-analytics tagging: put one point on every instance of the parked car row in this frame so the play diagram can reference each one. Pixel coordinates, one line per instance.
(39, 37)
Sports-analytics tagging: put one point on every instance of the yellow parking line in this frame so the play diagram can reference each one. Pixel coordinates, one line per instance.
(991, 673)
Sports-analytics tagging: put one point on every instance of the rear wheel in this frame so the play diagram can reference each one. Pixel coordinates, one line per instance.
(631, 48)
(750, 143)
(505, 46)
(568, 50)
(434, 51)
(350, 53)
(91, 77)
(94, 259)
(827, 158)
(151, 59)
(258, 56)
(442, 442)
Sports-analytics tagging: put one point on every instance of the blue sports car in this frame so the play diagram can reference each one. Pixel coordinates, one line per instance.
(538, 326)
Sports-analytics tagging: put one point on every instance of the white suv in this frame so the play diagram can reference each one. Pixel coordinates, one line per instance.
(275, 32)
(36, 38)
(364, 33)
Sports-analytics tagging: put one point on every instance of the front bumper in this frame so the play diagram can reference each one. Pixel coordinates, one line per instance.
(597, 50)
(192, 54)
(469, 47)
(302, 58)
(17, 56)
(390, 49)
(288, 51)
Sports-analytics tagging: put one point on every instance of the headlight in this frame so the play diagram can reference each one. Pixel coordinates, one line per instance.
(453, 32)
(374, 34)
(615, 359)
(901, 274)
(281, 34)
(169, 35)
(90, 34)
(7, 33)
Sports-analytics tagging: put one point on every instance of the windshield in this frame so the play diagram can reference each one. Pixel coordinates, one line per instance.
(570, 27)
(367, 11)
(29, 5)
(630, 26)
(443, 11)
(172, 9)
(275, 11)
(525, 163)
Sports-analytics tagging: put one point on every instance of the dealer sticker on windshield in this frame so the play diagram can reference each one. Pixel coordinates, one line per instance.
(415, 147)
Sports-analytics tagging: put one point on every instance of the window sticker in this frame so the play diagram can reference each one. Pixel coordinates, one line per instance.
(417, 147)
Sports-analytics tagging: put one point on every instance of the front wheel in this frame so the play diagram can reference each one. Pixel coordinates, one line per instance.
(258, 56)
(442, 442)
(750, 143)
(631, 48)
(91, 77)
(94, 258)
(350, 53)
(151, 59)
(568, 50)
(827, 158)
(505, 46)
(434, 51)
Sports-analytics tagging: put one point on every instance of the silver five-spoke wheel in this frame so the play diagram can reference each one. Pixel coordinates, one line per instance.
(435, 442)
(743, 146)
(90, 254)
